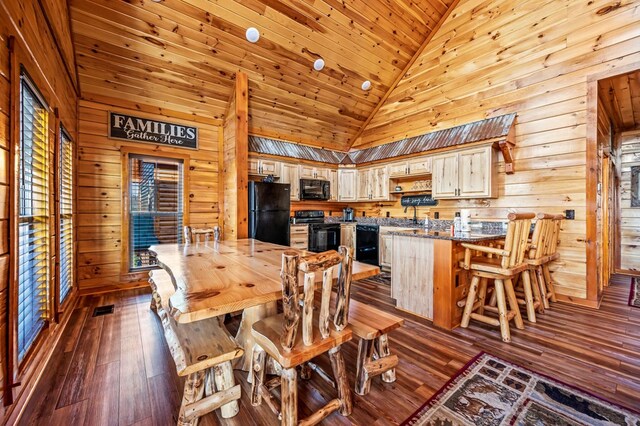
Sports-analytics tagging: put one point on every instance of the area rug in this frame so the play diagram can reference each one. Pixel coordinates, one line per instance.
(489, 391)
(634, 293)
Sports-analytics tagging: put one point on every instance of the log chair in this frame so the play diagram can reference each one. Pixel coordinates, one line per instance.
(542, 251)
(203, 351)
(293, 338)
(505, 264)
(371, 326)
(193, 235)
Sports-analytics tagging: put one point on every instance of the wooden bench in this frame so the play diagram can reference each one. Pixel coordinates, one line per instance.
(371, 326)
(202, 351)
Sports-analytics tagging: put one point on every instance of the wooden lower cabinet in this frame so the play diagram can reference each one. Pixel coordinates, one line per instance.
(348, 235)
(299, 236)
(385, 245)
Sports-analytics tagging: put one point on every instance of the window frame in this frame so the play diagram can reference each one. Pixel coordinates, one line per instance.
(60, 305)
(126, 153)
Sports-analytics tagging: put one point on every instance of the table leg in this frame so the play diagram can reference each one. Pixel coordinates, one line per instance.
(244, 337)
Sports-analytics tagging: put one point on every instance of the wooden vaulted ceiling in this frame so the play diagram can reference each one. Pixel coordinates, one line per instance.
(181, 56)
(621, 99)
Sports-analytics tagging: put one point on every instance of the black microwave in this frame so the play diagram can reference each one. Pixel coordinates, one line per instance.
(314, 189)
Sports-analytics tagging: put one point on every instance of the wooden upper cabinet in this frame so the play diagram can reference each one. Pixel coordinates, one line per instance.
(363, 184)
(261, 167)
(311, 172)
(379, 180)
(289, 174)
(333, 185)
(347, 179)
(418, 166)
(471, 173)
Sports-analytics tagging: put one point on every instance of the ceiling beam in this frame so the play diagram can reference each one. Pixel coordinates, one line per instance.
(400, 76)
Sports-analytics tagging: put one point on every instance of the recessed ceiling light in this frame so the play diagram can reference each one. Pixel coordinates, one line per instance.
(318, 64)
(366, 85)
(157, 1)
(253, 34)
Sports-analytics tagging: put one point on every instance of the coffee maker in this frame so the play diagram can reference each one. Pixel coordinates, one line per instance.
(347, 214)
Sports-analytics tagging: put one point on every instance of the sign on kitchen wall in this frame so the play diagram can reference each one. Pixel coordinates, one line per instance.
(127, 127)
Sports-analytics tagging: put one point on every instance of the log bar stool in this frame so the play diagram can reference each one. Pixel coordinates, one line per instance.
(543, 250)
(192, 235)
(277, 336)
(504, 265)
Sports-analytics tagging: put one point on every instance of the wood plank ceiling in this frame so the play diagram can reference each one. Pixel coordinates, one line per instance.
(621, 99)
(181, 57)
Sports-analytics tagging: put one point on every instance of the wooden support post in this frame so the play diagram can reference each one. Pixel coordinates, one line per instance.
(257, 374)
(236, 161)
(365, 352)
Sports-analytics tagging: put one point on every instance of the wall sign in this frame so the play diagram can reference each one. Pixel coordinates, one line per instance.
(127, 127)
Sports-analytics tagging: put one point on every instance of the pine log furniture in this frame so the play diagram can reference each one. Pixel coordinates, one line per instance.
(502, 265)
(294, 338)
(202, 351)
(371, 326)
(542, 251)
(232, 275)
(193, 235)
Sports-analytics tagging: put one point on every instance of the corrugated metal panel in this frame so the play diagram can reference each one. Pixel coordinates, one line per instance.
(477, 131)
(287, 149)
(490, 128)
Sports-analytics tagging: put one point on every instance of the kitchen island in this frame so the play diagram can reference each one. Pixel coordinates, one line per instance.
(426, 278)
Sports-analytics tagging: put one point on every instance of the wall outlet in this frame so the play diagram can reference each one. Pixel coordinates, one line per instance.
(436, 215)
(388, 214)
(570, 214)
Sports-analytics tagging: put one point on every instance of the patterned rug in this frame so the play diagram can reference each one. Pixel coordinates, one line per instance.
(489, 391)
(634, 293)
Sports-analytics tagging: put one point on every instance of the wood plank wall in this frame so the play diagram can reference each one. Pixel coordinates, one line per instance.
(38, 50)
(530, 57)
(629, 216)
(101, 187)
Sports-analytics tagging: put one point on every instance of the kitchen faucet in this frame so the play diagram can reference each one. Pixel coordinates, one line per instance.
(415, 213)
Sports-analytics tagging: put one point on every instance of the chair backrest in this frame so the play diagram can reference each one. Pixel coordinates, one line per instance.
(546, 235)
(193, 235)
(517, 239)
(310, 265)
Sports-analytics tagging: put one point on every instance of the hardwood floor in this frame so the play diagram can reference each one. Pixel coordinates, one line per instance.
(116, 369)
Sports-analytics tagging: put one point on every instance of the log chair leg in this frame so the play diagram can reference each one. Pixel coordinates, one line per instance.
(257, 374)
(537, 297)
(471, 298)
(289, 396)
(305, 371)
(223, 376)
(152, 305)
(543, 286)
(549, 281)
(502, 311)
(482, 294)
(342, 382)
(244, 337)
(365, 353)
(193, 391)
(382, 345)
(528, 296)
(513, 303)
(493, 301)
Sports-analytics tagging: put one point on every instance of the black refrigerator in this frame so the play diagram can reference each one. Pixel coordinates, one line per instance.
(269, 212)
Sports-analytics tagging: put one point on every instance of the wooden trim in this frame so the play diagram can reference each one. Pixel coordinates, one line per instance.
(55, 290)
(242, 152)
(221, 179)
(591, 191)
(401, 75)
(595, 304)
(125, 151)
(627, 272)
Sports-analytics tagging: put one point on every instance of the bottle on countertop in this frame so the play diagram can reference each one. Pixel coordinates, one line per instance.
(427, 221)
(457, 223)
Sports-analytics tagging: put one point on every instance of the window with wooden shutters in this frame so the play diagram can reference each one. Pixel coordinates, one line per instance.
(155, 206)
(66, 214)
(33, 217)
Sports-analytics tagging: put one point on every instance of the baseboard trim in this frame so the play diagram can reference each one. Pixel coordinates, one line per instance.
(112, 288)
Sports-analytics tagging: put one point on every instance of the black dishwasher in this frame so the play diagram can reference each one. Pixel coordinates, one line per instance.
(367, 244)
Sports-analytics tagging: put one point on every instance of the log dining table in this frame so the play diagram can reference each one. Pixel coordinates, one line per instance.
(217, 278)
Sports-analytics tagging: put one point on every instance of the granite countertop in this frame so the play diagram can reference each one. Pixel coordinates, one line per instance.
(466, 237)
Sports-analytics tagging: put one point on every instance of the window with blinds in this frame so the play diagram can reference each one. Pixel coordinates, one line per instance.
(155, 207)
(33, 217)
(66, 214)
